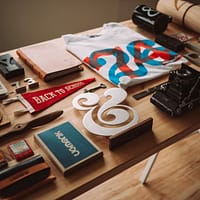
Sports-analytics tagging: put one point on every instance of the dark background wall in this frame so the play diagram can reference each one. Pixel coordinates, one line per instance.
(25, 22)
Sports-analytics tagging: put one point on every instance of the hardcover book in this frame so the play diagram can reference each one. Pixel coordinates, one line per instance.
(67, 147)
(49, 60)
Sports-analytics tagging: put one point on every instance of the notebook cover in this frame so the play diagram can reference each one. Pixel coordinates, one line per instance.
(67, 147)
(49, 60)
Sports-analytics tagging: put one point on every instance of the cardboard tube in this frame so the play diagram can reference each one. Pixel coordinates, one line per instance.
(177, 8)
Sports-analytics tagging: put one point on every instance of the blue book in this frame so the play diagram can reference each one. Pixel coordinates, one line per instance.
(67, 147)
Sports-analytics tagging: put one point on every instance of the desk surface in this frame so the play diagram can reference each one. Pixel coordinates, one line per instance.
(166, 131)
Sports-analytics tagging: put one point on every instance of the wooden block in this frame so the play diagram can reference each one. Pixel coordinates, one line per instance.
(33, 188)
(139, 128)
(4, 120)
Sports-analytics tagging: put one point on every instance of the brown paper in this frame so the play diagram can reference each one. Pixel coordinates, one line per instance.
(177, 8)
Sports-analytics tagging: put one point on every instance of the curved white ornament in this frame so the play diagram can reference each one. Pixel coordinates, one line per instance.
(118, 95)
(95, 128)
(91, 100)
(121, 114)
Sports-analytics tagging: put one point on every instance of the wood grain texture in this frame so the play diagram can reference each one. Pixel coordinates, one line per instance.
(166, 131)
(175, 175)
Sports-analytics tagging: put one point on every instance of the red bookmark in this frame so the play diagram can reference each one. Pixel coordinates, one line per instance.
(39, 100)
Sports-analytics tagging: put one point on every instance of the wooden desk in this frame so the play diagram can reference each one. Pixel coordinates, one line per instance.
(166, 131)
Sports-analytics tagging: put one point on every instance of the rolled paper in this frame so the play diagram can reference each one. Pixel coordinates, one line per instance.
(182, 12)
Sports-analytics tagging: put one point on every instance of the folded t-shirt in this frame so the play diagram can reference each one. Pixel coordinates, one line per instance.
(122, 56)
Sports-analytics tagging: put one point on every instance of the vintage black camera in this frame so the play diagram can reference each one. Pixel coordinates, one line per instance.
(181, 92)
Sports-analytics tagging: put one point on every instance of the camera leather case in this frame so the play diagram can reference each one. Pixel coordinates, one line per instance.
(180, 93)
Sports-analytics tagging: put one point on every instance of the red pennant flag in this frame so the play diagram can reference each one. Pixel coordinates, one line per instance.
(39, 100)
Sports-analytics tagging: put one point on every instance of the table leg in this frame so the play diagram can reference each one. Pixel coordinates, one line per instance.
(148, 167)
(150, 163)
(196, 132)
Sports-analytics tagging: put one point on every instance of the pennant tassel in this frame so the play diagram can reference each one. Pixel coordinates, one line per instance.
(42, 99)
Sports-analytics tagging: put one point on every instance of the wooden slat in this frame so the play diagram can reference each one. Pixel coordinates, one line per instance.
(166, 131)
(175, 175)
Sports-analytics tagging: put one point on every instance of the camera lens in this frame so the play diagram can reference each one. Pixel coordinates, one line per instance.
(183, 73)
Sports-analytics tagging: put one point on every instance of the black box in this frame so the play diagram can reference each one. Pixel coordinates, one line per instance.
(9, 67)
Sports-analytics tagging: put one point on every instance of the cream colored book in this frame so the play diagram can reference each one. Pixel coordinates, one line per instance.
(49, 60)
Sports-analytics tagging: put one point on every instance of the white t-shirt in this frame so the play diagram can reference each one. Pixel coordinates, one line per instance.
(122, 56)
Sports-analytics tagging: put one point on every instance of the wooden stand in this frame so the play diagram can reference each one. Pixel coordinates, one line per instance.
(139, 128)
(34, 187)
(4, 120)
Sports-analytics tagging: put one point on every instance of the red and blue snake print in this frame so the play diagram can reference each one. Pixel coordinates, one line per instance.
(142, 52)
